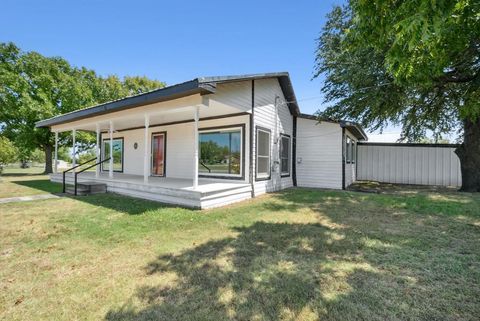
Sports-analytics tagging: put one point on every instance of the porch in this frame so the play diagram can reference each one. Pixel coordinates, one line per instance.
(209, 193)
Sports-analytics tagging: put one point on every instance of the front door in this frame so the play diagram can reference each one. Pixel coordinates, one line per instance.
(158, 154)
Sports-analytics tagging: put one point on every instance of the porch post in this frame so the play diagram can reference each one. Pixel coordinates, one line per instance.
(55, 155)
(146, 162)
(110, 168)
(74, 161)
(195, 149)
(97, 150)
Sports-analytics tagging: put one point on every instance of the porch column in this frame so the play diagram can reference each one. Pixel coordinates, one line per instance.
(195, 148)
(97, 152)
(110, 168)
(55, 154)
(146, 159)
(74, 161)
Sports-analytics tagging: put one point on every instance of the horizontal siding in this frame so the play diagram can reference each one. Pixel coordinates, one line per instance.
(319, 154)
(265, 116)
(402, 164)
(180, 140)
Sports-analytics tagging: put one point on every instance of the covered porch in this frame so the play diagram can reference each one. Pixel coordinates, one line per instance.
(208, 193)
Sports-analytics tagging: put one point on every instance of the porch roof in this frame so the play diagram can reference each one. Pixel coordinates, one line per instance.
(201, 85)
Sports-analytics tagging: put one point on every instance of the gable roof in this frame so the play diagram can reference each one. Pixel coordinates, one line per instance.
(201, 85)
(353, 127)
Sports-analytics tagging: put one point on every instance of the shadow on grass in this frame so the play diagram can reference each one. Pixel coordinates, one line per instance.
(364, 265)
(40, 184)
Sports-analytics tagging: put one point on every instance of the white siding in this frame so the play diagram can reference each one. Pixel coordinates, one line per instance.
(319, 154)
(280, 122)
(179, 155)
(403, 164)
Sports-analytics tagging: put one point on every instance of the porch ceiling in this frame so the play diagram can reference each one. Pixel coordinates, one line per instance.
(159, 113)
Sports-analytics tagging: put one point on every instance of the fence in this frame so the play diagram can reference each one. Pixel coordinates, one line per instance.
(421, 164)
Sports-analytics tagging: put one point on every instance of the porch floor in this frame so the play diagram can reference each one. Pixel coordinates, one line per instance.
(205, 186)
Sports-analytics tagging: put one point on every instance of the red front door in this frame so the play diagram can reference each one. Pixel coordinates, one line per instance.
(158, 154)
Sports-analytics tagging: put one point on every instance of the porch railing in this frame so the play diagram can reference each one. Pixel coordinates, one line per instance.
(70, 169)
(83, 170)
(208, 168)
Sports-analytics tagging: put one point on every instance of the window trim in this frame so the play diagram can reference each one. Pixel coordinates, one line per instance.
(269, 131)
(102, 153)
(164, 133)
(289, 158)
(240, 176)
(352, 148)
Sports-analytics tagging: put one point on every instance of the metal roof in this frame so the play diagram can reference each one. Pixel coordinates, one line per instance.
(353, 127)
(202, 85)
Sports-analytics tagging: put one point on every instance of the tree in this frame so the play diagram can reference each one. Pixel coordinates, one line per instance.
(34, 87)
(414, 64)
(8, 152)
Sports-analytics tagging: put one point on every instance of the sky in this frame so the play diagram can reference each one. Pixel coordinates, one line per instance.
(175, 41)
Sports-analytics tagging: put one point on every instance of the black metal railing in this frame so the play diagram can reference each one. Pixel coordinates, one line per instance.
(208, 168)
(70, 169)
(83, 170)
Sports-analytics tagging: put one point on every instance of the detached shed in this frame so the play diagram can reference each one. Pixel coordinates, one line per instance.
(326, 152)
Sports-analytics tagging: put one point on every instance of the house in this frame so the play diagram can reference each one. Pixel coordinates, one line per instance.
(211, 141)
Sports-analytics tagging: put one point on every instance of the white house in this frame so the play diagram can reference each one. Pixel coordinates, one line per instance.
(211, 141)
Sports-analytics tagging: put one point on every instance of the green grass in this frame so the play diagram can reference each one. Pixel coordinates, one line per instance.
(26, 181)
(296, 255)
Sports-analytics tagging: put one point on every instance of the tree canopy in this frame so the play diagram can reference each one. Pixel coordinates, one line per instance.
(34, 87)
(414, 64)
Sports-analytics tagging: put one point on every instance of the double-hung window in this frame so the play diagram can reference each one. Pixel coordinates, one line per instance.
(263, 153)
(285, 155)
(350, 150)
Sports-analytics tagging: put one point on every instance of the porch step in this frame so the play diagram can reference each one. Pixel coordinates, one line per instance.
(86, 188)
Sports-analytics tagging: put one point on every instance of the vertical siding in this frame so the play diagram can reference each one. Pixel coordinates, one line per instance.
(406, 164)
(319, 154)
(265, 116)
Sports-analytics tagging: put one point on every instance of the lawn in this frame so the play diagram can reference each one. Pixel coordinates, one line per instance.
(296, 255)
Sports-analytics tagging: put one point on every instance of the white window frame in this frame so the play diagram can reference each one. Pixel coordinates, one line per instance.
(219, 130)
(103, 150)
(267, 175)
(289, 156)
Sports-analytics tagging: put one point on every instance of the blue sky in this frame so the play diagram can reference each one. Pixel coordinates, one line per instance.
(175, 41)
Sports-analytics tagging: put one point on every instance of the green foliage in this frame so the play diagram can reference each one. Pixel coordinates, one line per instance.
(415, 64)
(34, 87)
(8, 152)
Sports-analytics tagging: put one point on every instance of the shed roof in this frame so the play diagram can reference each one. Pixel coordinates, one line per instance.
(355, 128)
(201, 85)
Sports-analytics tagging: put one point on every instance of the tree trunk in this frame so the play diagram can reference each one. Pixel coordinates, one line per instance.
(469, 155)
(48, 159)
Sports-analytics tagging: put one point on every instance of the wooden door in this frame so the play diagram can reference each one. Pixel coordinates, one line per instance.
(158, 154)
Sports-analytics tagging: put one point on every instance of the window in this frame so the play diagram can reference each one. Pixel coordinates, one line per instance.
(221, 152)
(350, 150)
(117, 154)
(263, 153)
(285, 155)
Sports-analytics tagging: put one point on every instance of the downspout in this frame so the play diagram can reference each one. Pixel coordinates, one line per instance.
(343, 157)
(294, 152)
(252, 125)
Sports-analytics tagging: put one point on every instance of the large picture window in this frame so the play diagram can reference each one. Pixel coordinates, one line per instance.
(221, 152)
(263, 153)
(117, 154)
(285, 155)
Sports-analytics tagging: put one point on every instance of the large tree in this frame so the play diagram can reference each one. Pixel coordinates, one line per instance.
(34, 87)
(414, 64)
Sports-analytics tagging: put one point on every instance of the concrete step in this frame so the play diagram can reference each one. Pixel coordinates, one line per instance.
(85, 188)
